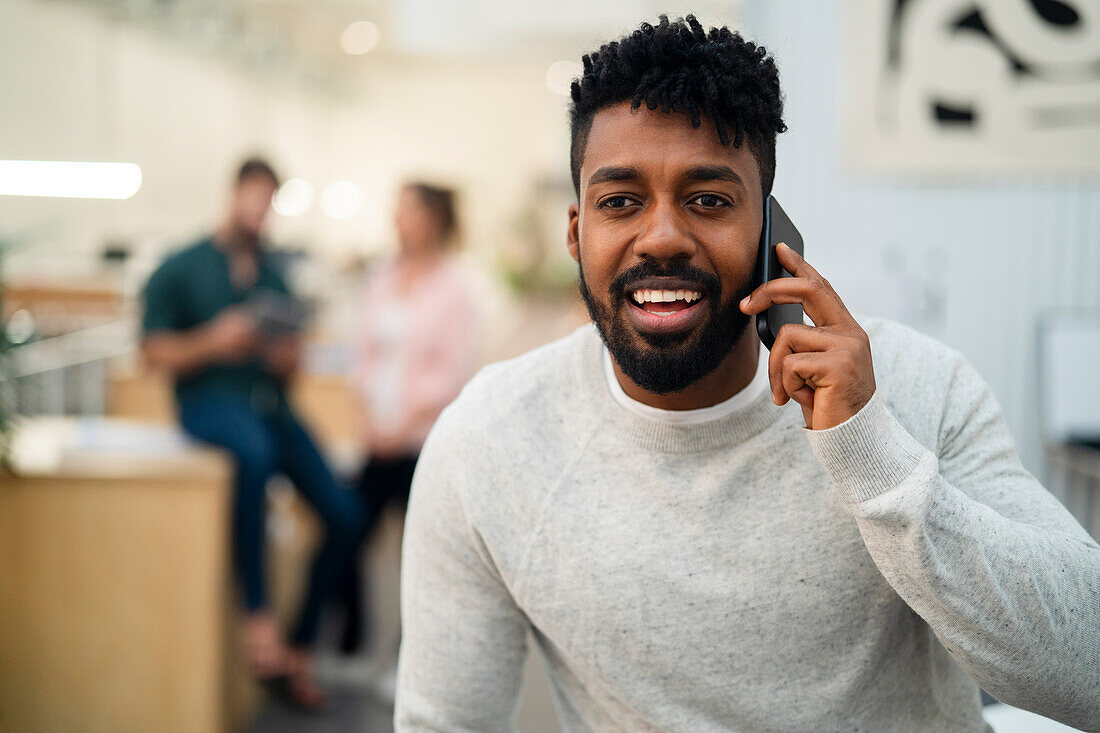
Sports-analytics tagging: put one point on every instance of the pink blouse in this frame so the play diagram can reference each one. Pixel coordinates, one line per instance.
(416, 350)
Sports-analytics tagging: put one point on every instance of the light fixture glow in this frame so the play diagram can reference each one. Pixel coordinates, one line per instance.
(360, 37)
(63, 179)
(560, 75)
(293, 197)
(342, 199)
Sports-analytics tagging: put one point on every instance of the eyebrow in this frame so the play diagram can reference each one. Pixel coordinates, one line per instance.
(614, 173)
(609, 174)
(714, 173)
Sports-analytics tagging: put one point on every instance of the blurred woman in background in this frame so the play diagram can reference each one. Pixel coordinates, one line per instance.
(417, 350)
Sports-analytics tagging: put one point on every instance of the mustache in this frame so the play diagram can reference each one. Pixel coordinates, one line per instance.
(708, 283)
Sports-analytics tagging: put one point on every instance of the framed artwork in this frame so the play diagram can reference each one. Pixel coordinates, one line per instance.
(971, 88)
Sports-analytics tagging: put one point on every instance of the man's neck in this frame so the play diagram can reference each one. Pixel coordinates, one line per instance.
(732, 375)
(235, 241)
(242, 252)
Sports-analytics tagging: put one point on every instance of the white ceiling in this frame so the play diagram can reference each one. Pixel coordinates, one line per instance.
(300, 38)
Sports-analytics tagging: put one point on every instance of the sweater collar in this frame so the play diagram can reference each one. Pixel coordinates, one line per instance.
(655, 435)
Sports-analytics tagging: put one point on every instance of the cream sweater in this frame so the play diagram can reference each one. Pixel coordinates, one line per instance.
(743, 574)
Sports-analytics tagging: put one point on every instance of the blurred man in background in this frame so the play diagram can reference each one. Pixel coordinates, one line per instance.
(220, 320)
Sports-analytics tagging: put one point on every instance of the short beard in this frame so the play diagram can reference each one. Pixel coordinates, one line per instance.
(672, 362)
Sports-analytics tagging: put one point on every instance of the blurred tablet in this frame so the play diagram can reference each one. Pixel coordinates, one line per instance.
(276, 313)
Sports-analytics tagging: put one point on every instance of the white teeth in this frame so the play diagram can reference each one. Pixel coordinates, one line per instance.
(665, 296)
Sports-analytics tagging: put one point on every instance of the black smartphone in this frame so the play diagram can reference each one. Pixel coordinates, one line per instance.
(777, 228)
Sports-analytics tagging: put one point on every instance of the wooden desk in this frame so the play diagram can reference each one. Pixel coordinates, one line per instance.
(113, 590)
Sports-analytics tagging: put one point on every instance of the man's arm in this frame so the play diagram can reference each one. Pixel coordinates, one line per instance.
(172, 343)
(463, 637)
(1006, 579)
(1003, 575)
(229, 337)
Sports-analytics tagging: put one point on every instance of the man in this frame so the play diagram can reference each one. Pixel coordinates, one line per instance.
(204, 311)
(704, 536)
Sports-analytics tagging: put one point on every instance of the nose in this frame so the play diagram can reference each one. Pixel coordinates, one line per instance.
(664, 235)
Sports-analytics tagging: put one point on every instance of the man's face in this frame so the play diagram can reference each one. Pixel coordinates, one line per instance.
(666, 233)
(251, 202)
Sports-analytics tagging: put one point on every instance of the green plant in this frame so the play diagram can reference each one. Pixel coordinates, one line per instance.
(6, 370)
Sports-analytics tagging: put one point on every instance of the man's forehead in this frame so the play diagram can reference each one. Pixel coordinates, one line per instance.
(651, 140)
(256, 183)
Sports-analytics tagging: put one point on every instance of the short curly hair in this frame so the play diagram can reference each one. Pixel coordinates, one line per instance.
(679, 67)
(257, 167)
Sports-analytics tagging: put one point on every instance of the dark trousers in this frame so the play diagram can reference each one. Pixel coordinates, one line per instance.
(381, 483)
(263, 445)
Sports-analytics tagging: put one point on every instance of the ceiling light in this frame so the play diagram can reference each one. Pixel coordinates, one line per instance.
(293, 197)
(64, 179)
(342, 199)
(360, 37)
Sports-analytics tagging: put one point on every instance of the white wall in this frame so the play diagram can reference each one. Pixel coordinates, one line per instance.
(976, 263)
(970, 263)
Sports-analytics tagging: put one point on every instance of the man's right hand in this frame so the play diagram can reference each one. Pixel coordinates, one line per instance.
(232, 336)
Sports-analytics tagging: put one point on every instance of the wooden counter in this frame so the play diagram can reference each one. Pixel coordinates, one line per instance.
(325, 402)
(113, 591)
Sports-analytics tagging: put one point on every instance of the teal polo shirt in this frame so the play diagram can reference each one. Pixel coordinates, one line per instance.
(193, 286)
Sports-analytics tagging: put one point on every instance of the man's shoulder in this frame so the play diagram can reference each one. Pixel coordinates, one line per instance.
(900, 349)
(184, 258)
(531, 382)
(498, 451)
(915, 373)
(890, 335)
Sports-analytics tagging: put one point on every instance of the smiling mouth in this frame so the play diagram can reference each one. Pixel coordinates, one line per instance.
(665, 302)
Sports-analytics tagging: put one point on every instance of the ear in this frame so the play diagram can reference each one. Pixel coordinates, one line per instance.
(573, 236)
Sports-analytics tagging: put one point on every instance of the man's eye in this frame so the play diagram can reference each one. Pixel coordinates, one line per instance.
(615, 202)
(709, 201)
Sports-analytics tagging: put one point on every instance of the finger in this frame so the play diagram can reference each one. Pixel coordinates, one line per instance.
(808, 414)
(798, 337)
(816, 296)
(794, 263)
(801, 374)
(795, 338)
(805, 399)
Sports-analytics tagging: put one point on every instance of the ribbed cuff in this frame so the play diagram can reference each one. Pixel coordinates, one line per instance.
(868, 454)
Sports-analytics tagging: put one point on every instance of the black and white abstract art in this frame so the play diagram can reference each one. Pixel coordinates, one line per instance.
(963, 89)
